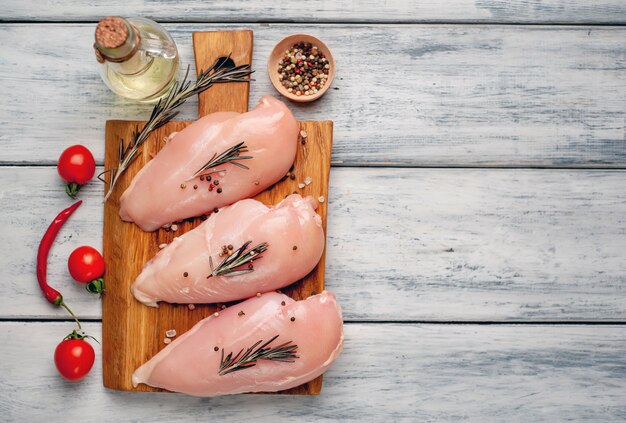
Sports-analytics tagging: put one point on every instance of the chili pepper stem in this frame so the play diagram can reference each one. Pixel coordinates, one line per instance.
(62, 304)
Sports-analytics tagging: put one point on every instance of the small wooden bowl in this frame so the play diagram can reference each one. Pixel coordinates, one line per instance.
(279, 51)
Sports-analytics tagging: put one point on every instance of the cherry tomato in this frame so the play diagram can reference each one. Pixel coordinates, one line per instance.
(74, 358)
(85, 264)
(76, 166)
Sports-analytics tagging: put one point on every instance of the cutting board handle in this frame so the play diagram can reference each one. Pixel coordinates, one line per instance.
(210, 46)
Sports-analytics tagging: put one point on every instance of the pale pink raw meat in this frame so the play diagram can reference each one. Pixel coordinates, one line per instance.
(191, 364)
(155, 197)
(178, 273)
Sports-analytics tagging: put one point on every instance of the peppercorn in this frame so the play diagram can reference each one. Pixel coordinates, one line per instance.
(185, 274)
(219, 190)
(216, 349)
(293, 319)
(216, 182)
(301, 63)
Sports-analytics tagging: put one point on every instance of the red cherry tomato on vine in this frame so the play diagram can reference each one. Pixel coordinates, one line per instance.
(74, 358)
(76, 166)
(85, 264)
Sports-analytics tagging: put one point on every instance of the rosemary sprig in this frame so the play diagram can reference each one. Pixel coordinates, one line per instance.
(284, 352)
(165, 110)
(228, 267)
(228, 156)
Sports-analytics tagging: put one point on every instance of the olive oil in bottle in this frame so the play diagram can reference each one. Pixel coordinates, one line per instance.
(138, 58)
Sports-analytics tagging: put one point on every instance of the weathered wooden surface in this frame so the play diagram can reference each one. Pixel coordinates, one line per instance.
(511, 11)
(427, 95)
(386, 373)
(527, 244)
(484, 245)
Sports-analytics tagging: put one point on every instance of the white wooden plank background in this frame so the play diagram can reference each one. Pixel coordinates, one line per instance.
(518, 252)
(386, 373)
(444, 244)
(409, 95)
(513, 11)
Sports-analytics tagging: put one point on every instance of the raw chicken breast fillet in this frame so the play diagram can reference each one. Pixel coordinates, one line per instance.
(178, 273)
(191, 364)
(155, 197)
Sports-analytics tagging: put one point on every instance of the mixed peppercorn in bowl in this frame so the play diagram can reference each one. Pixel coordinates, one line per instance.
(301, 67)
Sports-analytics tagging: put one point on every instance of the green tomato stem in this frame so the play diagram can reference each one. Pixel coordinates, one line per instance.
(72, 189)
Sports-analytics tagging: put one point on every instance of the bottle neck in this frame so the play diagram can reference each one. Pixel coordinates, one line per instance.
(118, 42)
(116, 39)
(126, 50)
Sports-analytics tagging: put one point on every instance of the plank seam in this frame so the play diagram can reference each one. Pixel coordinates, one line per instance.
(619, 23)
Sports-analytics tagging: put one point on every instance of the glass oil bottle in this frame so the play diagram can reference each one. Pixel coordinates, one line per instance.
(138, 58)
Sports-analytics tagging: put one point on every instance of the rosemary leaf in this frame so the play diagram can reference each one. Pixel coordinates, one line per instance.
(229, 156)
(231, 265)
(285, 353)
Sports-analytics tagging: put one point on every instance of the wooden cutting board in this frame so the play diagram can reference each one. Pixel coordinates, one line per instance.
(132, 333)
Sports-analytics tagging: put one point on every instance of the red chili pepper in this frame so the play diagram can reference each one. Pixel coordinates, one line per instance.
(52, 295)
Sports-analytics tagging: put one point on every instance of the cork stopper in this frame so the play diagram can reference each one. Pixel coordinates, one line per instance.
(111, 32)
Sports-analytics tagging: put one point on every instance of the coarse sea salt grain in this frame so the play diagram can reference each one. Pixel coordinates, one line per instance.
(170, 333)
(303, 134)
(308, 180)
(167, 341)
(191, 306)
(162, 246)
(321, 198)
(174, 227)
(301, 185)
